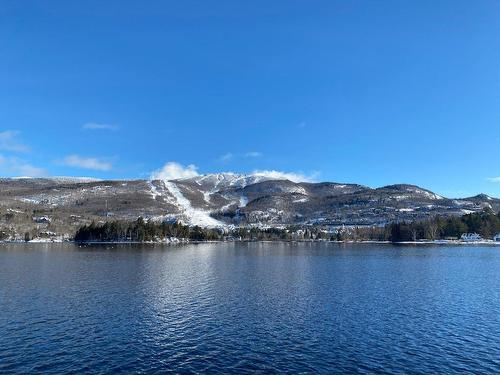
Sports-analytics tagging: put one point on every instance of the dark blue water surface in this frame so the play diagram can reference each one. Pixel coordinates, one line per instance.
(244, 308)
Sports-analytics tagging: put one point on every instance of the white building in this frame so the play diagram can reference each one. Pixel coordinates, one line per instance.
(471, 237)
(497, 238)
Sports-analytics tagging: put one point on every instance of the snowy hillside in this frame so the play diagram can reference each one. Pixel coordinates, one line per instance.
(217, 200)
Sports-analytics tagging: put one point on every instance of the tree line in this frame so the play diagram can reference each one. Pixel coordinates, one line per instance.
(485, 223)
(142, 231)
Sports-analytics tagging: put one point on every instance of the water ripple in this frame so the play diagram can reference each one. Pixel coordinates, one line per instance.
(249, 308)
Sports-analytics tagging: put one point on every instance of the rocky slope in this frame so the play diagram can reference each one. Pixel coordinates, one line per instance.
(50, 206)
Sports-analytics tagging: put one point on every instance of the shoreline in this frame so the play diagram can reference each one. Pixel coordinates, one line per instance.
(185, 242)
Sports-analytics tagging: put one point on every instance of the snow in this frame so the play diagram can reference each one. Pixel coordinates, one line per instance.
(214, 183)
(194, 216)
(62, 179)
(42, 219)
(219, 181)
(31, 200)
(226, 207)
(425, 193)
(243, 201)
(74, 180)
(301, 200)
(154, 191)
(47, 239)
(401, 197)
(206, 196)
(266, 216)
(296, 190)
(433, 195)
(160, 192)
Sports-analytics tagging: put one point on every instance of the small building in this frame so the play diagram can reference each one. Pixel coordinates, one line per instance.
(471, 237)
(42, 219)
(497, 238)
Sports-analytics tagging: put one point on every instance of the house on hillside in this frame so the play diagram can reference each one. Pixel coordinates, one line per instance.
(42, 219)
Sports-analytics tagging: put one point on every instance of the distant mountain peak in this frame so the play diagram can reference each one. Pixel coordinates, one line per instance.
(227, 179)
(222, 199)
(413, 189)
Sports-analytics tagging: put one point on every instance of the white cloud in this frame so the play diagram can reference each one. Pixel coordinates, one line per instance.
(227, 157)
(253, 154)
(174, 171)
(19, 167)
(92, 163)
(493, 179)
(99, 126)
(8, 142)
(292, 176)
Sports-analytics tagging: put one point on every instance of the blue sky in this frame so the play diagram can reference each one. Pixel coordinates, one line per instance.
(372, 92)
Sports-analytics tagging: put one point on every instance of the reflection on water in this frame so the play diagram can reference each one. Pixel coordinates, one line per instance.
(268, 307)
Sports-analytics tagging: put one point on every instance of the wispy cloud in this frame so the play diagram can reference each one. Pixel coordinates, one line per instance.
(493, 179)
(9, 142)
(227, 157)
(174, 171)
(19, 167)
(99, 126)
(253, 154)
(91, 163)
(291, 176)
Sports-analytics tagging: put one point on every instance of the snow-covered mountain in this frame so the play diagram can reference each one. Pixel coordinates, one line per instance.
(218, 181)
(218, 200)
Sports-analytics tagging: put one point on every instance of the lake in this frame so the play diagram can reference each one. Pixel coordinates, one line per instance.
(249, 307)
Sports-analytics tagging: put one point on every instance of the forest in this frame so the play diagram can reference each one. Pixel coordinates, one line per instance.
(485, 223)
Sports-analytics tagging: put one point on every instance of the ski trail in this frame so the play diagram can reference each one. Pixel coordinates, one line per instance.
(195, 216)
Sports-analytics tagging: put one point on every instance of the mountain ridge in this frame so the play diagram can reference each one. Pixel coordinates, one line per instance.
(218, 200)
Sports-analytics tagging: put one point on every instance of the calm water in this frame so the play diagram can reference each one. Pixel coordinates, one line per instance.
(241, 308)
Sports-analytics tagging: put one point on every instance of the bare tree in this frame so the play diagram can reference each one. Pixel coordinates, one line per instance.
(433, 229)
